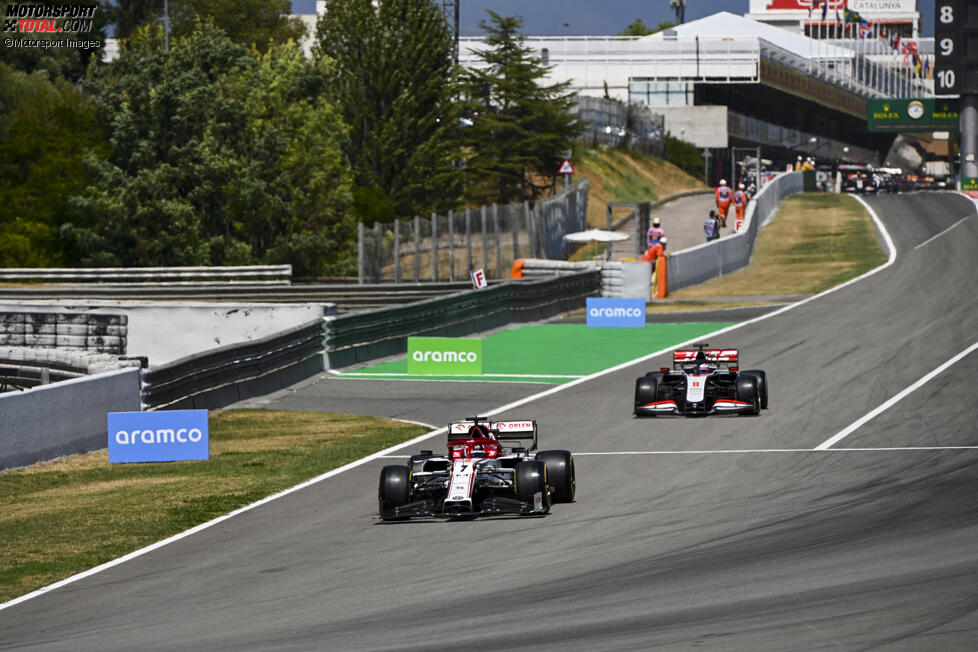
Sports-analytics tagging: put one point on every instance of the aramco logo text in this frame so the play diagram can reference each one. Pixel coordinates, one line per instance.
(452, 356)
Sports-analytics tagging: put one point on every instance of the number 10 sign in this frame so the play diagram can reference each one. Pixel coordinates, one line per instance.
(948, 43)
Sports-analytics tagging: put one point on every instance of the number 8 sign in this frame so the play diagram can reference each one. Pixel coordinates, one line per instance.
(947, 42)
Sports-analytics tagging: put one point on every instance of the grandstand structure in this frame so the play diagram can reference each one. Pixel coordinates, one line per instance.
(794, 85)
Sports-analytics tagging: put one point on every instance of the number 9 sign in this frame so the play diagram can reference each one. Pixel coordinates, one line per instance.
(947, 38)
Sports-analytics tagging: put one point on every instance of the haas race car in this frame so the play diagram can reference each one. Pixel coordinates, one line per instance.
(702, 381)
(490, 468)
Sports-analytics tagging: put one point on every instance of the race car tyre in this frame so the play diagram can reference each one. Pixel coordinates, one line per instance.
(747, 391)
(761, 385)
(394, 489)
(531, 479)
(647, 389)
(560, 474)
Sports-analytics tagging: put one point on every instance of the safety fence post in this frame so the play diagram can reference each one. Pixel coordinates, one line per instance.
(451, 245)
(434, 248)
(397, 251)
(417, 248)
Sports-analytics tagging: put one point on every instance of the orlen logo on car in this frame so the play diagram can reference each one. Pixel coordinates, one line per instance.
(514, 425)
(446, 356)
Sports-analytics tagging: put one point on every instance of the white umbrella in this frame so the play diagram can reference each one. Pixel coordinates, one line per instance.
(598, 235)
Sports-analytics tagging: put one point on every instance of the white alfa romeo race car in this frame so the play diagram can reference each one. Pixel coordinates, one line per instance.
(490, 468)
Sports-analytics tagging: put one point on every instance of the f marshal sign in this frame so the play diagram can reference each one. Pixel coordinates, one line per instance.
(615, 313)
(444, 356)
(164, 436)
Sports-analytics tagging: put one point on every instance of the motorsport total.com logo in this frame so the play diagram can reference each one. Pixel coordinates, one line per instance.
(35, 18)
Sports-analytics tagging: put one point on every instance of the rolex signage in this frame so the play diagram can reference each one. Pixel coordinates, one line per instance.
(913, 114)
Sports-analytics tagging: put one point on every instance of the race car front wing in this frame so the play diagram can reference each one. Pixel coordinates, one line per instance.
(493, 505)
(721, 405)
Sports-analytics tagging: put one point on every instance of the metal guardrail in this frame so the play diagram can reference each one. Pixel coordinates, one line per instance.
(138, 274)
(75, 409)
(367, 336)
(20, 377)
(347, 296)
(231, 373)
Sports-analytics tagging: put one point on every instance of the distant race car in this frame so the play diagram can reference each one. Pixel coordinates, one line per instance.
(490, 469)
(703, 381)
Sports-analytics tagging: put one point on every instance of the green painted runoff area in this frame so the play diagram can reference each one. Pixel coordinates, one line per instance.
(557, 353)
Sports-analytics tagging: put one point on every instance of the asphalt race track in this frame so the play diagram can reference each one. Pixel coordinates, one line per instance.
(726, 533)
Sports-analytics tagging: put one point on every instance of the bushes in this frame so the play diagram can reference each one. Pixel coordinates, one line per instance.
(684, 155)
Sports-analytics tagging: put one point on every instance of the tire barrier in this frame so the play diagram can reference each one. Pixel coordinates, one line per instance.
(64, 330)
(25, 367)
(611, 272)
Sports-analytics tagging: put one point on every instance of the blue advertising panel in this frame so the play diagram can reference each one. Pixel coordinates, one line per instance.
(615, 313)
(164, 436)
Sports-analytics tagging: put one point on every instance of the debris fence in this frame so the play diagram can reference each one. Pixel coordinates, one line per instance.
(448, 247)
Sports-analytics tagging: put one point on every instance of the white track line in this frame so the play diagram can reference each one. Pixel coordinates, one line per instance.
(755, 451)
(358, 374)
(221, 519)
(433, 433)
(783, 450)
(955, 225)
(443, 379)
(839, 436)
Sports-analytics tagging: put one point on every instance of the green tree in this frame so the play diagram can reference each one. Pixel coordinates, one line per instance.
(638, 28)
(521, 127)
(684, 155)
(395, 85)
(128, 15)
(247, 22)
(56, 60)
(45, 130)
(219, 155)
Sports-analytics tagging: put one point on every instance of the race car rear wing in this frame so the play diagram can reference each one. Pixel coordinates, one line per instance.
(719, 357)
(504, 431)
(460, 429)
(516, 431)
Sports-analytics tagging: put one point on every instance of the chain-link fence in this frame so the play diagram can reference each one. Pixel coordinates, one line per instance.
(447, 247)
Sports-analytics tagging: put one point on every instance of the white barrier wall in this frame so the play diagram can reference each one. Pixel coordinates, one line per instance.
(712, 259)
(164, 332)
(63, 418)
